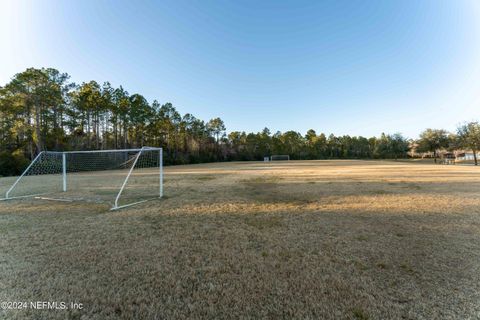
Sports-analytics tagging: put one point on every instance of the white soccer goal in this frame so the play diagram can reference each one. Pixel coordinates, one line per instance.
(119, 177)
(277, 157)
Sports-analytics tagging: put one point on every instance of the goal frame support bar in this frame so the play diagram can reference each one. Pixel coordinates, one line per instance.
(115, 206)
(160, 155)
(21, 176)
(64, 172)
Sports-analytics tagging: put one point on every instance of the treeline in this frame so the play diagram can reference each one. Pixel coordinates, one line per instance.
(40, 109)
(254, 146)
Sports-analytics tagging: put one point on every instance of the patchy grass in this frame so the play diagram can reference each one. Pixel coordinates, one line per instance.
(205, 178)
(264, 222)
(367, 240)
(407, 268)
(382, 265)
(261, 180)
(359, 314)
(362, 238)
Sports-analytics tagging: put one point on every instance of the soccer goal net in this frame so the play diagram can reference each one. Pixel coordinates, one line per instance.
(277, 157)
(119, 177)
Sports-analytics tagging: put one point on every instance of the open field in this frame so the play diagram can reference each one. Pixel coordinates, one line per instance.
(298, 239)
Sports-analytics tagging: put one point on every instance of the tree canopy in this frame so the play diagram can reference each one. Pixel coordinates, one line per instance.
(432, 140)
(468, 136)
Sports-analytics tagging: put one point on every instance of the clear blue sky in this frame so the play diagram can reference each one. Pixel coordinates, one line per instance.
(343, 67)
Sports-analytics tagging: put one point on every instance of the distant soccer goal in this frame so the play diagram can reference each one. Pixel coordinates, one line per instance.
(119, 177)
(278, 157)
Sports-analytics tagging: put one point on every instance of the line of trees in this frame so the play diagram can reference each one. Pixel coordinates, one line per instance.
(40, 109)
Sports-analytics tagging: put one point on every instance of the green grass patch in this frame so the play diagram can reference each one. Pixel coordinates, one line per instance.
(205, 178)
(264, 222)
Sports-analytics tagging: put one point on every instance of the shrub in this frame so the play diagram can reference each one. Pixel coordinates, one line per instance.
(12, 163)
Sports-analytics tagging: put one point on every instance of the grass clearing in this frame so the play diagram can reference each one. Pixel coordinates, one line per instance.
(367, 240)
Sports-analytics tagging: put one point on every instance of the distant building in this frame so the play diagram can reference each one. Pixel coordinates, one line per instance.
(462, 155)
(447, 155)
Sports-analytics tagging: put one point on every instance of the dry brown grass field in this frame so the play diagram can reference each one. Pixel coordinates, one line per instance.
(250, 240)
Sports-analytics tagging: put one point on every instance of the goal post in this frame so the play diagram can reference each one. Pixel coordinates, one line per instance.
(45, 163)
(279, 157)
(119, 177)
(142, 163)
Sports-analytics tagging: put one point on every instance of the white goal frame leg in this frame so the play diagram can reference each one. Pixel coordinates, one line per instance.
(19, 178)
(64, 171)
(161, 172)
(115, 206)
(160, 164)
